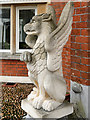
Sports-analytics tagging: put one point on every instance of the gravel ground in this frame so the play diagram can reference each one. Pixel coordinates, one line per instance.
(11, 102)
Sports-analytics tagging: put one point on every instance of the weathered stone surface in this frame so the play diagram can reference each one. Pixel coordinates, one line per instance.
(80, 99)
(45, 64)
(77, 88)
(63, 110)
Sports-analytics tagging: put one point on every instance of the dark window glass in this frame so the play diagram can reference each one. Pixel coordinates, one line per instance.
(24, 17)
(4, 28)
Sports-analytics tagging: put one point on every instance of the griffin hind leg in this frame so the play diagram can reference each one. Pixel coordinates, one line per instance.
(38, 101)
(35, 91)
(55, 87)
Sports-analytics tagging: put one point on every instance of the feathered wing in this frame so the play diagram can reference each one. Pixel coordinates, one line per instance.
(58, 38)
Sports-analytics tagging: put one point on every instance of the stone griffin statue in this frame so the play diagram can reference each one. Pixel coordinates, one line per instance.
(44, 62)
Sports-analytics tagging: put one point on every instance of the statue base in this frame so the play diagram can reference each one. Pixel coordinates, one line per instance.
(62, 111)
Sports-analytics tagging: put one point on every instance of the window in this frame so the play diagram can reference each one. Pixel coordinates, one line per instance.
(13, 17)
(23, 15)
(4, 29)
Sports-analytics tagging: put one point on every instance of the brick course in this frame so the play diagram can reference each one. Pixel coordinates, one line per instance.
(82, 38)
(13, 68)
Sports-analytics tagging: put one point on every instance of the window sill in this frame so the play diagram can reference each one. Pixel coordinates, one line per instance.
(9, 56)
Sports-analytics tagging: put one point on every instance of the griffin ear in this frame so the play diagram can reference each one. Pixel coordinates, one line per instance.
(46, 17)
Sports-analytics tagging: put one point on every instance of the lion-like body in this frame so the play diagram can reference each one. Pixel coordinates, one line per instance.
(45, 62)
(39, 73)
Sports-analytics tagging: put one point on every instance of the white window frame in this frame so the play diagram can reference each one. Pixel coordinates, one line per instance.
(7, 50)
(17, 26)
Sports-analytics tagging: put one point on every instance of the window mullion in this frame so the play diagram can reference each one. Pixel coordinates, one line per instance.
(13, 29)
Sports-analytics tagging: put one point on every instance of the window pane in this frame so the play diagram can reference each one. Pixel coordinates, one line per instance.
(24, 17)
(4, 28)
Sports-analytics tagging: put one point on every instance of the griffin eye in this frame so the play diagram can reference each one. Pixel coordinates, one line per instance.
(33, 21)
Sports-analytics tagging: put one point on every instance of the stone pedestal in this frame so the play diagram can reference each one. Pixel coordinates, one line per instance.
(62, 111)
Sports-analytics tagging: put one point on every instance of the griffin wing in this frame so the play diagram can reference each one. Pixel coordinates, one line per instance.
(58, 38)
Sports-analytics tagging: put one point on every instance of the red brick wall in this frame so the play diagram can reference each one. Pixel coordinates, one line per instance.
(80, 44)
(13, 68)
(75, 52)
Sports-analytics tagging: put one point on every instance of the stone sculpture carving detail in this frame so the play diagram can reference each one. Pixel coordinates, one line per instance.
(44, 63)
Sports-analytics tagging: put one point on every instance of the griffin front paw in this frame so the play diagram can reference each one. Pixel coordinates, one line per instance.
(50, 104)
(37, 102)
(26, 56)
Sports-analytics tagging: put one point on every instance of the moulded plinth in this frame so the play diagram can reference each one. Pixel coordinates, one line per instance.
(62, 111)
